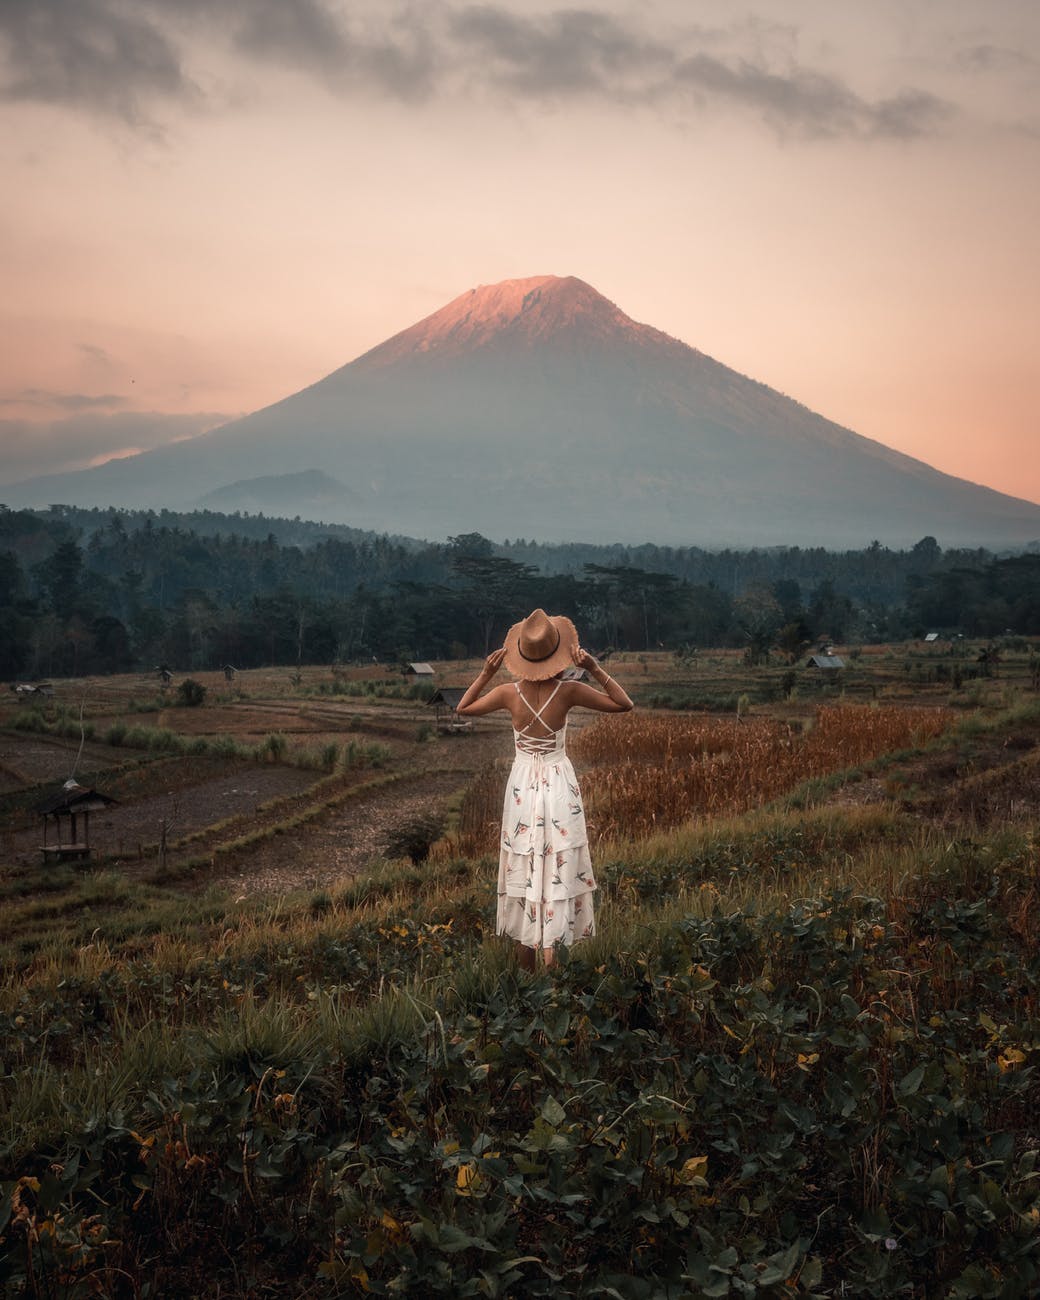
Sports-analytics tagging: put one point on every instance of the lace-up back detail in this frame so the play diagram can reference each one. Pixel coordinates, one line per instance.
(545, 746)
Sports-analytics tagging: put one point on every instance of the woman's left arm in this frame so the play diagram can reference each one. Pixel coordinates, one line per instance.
(472, 703)
(614, 699)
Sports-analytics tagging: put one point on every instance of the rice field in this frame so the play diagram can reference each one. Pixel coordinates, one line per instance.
(643, 773)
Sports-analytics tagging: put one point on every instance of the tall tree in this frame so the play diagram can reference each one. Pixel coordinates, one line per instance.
(496, 592)
(60, 576)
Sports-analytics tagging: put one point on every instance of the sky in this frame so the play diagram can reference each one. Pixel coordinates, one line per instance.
(211, 204)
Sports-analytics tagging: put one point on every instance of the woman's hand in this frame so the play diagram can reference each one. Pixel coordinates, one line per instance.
(494, 662)
(615, 698)
(582, 659)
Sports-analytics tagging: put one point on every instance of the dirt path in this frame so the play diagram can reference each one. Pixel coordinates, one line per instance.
(345, 840)
(340, 844)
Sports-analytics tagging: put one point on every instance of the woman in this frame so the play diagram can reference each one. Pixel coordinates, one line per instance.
(545, 880)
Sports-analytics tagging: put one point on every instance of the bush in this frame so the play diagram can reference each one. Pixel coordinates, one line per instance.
(275, 746)
(414, 838)
(358, 754)
(190, 693)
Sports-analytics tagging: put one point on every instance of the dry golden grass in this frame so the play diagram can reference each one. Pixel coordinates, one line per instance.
(655, 772)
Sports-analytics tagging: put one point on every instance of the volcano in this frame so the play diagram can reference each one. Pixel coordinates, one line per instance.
(536, 408)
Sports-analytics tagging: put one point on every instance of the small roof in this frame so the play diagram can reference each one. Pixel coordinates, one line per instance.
(825, 661)
(449, 695)
(422, 669)
(573, 675)
(932, 636)
(73, 797)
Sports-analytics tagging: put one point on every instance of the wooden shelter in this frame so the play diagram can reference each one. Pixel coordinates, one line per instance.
(70, 808)
(828, 663)
(421, 670)
(445, 701)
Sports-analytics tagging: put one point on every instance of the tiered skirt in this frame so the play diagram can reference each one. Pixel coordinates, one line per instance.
(546, 913)
(545, 878)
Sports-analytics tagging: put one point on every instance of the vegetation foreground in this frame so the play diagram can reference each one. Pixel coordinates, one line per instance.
(799, 1059)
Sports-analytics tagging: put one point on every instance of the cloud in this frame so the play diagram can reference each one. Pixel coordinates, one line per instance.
(291, 32)
(583, 53)
(31, 449)
(993, 58)
(810, 103)
(63, 401)
(95, 54)
(392, 53)
(97, 354)
(110, 58)
(570, 52)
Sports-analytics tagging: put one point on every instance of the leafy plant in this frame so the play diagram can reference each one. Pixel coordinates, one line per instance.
(190, 694)
(414, 838)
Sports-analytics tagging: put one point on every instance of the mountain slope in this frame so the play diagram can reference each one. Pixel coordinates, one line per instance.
(537, 408)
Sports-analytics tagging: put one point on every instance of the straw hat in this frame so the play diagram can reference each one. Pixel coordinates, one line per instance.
(540, 646)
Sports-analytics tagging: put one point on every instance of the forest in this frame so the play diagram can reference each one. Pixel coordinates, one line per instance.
(90, 591)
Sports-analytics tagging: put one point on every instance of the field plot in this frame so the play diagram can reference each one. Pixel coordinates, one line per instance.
(35, 760)
(286, 782)
(171, 799)
(801, 1057)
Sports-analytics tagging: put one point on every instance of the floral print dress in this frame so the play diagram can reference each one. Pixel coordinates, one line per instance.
(545, 879)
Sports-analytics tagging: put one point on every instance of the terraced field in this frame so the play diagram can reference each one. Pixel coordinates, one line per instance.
(800, 1057)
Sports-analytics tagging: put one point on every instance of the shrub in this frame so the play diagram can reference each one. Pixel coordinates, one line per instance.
(357, 754)
(414, 838)
(274, 746)
(190, 693)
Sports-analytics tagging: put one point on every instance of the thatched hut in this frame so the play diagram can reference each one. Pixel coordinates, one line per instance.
(69, 810)
(445, 702)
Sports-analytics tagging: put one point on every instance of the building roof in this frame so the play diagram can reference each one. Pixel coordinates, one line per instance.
(825, 661)
(421, 669)
(932, 636)
(73, 797)
(449, 695)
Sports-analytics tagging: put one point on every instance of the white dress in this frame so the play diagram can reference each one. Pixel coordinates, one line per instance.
(545, 880)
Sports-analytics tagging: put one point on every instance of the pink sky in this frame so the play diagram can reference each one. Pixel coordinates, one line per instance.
(205, 213)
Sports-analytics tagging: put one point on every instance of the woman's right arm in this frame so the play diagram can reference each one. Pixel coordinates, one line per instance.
(472, 703)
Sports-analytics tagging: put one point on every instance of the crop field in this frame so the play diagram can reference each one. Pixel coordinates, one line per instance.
(265, 1042)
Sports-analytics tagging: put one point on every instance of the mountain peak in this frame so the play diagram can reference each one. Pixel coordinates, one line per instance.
(522, 312)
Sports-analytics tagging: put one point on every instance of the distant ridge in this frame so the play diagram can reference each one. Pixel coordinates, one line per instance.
(308, 493)
(536, 408)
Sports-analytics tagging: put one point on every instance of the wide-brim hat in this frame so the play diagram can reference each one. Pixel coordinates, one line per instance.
(540, 646)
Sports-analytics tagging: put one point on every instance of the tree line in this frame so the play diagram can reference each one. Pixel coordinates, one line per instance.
(88, 591)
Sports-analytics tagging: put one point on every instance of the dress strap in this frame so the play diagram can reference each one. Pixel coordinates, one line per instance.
(537, 713)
